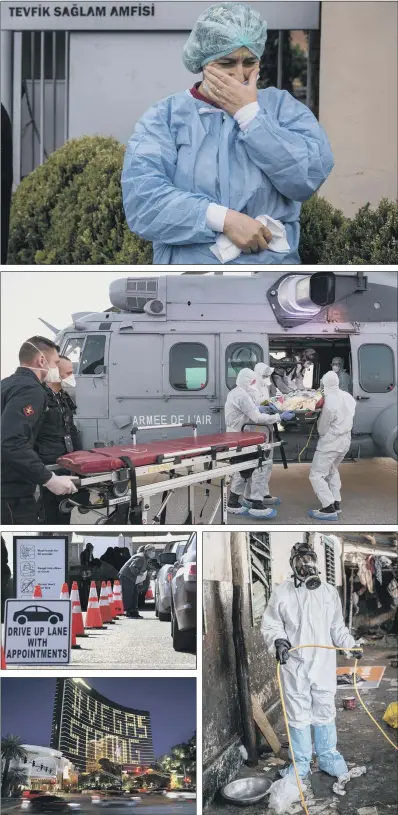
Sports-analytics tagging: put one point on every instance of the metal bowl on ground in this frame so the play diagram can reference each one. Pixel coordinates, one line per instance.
(246, 791)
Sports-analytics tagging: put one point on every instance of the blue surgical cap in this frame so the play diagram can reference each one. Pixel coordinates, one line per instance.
(222, 29)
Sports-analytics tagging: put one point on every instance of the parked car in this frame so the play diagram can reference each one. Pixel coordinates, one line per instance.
(183, 598)
(164, 578)
(47, 803)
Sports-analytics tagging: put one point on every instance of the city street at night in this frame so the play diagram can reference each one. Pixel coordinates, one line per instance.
(150, 805)
(93, 744)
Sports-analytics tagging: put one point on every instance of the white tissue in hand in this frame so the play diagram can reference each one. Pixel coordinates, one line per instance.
(226, 251)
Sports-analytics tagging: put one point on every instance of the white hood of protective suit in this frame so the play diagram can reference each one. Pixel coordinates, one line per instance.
(336, 420)
(330, 382)
(241, 405)
(246, 380)
(263, 381)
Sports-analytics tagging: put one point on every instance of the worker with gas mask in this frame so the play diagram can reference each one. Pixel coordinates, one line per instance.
(304, 610)
(130, 577)
(345, 381)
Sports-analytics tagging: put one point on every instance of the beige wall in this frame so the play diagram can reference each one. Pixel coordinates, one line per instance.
(358, 100)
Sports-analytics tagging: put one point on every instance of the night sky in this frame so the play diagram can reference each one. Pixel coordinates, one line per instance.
(27, 706)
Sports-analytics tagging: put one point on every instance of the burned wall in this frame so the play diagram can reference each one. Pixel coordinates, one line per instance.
(221, 711)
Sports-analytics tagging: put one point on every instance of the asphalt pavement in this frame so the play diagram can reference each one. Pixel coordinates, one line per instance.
(369, 496)
(149, 806)
(129, 644)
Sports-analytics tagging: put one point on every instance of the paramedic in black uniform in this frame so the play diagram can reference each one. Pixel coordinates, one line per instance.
(57, 435)
(23, 404)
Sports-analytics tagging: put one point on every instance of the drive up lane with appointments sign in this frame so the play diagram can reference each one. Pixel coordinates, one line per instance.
(37, 632)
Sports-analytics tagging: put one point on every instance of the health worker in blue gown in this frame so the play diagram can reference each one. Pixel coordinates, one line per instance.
(204, 164)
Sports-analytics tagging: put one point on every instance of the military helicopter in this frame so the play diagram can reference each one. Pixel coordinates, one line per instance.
(169, 349)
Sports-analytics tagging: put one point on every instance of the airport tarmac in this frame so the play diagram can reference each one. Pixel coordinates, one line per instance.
(369, 496)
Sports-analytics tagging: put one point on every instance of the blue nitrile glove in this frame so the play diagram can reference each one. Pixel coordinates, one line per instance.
(266, 409)
(287, 415)
(272, 408)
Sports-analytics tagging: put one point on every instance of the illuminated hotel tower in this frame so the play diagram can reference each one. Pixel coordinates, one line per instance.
(87, 727)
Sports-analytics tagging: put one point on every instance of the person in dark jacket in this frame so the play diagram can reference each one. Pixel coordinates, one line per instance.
(57, 435)
(5, 576)
(6, 181)
(23, 405)
(109, 557)
(87, 567)
(137, 565)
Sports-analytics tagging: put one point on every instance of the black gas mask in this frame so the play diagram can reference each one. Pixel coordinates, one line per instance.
(303, 561)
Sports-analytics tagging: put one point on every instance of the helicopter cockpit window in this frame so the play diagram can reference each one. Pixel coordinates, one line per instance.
(93, 357)
(73, 350)
(376, 368)
(189, 366)
(240, 355)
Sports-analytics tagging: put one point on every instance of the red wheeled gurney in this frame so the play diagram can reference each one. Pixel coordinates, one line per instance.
(110, 474)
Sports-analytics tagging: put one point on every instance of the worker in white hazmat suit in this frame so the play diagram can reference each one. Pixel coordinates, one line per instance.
(303, 610)
(334, 428)
(263, 382)
(345, 381)
(240, 409)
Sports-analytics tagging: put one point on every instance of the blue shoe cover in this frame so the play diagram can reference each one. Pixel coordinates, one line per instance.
(262, 513)
(237, 510)
(329, 758)
(323, 516)
(302, 748)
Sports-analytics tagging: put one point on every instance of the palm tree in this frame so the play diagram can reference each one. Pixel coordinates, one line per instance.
(11, 750)
(17, 777)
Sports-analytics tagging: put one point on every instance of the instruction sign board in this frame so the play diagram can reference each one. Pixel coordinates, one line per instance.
(40, 561)
(368, 676)
(37, 632)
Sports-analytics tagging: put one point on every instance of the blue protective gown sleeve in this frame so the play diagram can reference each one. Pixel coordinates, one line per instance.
(292, 149)
(155, 209)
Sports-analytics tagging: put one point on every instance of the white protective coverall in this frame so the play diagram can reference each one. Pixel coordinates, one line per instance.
(240, 409)
(305, 616)
(345, 380)
(263, 382)
(334, 428)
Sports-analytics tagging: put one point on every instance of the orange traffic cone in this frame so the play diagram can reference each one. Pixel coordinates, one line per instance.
(117, 597)
(77, 617)
(75, 623)
(3, 659)
(64, 592)
(105, 608)
(93, 616)
(111, 600)
(37, 592)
